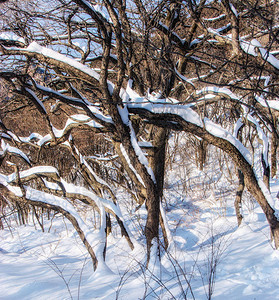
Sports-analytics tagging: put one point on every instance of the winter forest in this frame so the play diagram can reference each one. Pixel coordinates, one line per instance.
(138, 149)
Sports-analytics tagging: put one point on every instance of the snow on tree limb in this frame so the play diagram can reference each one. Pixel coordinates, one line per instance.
(143, 160)
(6, 148)
(218, 91)
(126, 156)
(56, 58)
(39, 198)
(91, 110)
(262, 136)
(190, 116)
(38, 103)
(33, 173)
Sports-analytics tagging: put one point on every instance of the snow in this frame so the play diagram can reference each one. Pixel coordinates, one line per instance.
(54, 264)
(98, 114)
(196, 223)
(47, 52)
(184, 78)
(267, 55)
(72, 121)
(262, 136)
(237, 126)
(5, 135)
(58, 94)
(47, 138)
(183, 111)
(7, 148)
(97, 243)
(254, 46)
(39, 170)
(222, 16)
(101, 10)
(14, 189)
(166, 224)
(40, 103)
(129, 90)
(218, 131)
(274, 104)
(10, 36)
(142, 158)
(250, 47)
(102, 158)
(95, 176)
(191, 116)
(233, 9)
(218, 90)
(32, 136)
(126, 156)
(182, 41)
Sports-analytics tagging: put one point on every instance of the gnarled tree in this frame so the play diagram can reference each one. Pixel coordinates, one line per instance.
(132, 71)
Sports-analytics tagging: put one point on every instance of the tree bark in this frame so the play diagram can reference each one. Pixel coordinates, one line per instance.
(158, 157)
(153, 217)
(274, 146)
(238, 198)
(157, 162)
(266, 173)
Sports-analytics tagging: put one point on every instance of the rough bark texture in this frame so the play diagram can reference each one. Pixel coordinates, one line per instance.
(158, 157)
(157, 160)
(274, 146)
(201, 153)
(266, 173)
(237, 202)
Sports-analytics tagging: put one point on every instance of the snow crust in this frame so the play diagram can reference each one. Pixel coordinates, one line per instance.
(38, 170)
(76, 119)
(216, 18)
(247, 264)
(254, 46)
(274, 104)
(183, 111)
(10, 36)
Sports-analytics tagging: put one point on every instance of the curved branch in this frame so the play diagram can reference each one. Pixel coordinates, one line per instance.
(217, 136)
(37, 198)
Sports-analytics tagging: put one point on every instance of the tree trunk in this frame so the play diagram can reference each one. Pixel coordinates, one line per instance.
(274, 146)
(250, 180)
(237, 202)
(266, 172)
(152, 222)
(157, 162)
(201, 155)
(158, 157)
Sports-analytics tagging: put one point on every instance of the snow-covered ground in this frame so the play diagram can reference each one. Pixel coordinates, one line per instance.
(209, 250)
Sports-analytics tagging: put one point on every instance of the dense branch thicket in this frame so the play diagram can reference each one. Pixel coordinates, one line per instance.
(102, 86)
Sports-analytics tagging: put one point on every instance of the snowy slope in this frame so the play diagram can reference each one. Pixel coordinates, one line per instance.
(55, 265)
